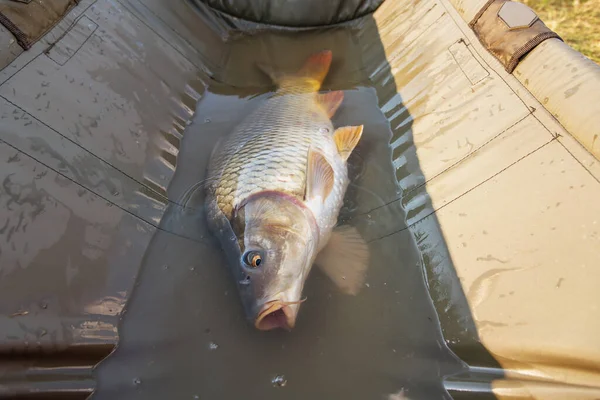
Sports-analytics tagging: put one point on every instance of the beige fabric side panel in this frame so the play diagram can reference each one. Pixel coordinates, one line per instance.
(453, 113)
(527, 246)
(568, 85)
(519, 212)
(565, 82)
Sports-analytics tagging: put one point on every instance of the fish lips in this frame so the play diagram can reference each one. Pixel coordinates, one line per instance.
(276, 314)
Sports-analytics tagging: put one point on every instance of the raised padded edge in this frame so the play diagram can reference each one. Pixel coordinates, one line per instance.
(564, 81)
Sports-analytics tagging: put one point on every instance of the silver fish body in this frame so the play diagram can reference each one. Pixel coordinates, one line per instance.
(276, 185)
(269, 152)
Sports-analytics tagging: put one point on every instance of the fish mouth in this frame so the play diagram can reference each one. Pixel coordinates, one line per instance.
(275, 314)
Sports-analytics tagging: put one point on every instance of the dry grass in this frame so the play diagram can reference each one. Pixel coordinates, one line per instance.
(576, 21)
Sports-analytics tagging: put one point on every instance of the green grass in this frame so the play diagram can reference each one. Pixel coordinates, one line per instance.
(576, 21)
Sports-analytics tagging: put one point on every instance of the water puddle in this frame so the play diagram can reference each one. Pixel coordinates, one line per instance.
(185, 332)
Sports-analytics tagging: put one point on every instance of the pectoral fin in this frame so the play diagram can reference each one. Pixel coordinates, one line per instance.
(330, 101)
(346, 138)
(319, 176)
(345, 259)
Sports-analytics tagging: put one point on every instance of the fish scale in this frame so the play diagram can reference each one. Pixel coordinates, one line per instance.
(269, 153)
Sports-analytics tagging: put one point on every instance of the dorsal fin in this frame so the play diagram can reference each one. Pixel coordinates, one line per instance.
(319, 176)
(330, 101)
(346, 138)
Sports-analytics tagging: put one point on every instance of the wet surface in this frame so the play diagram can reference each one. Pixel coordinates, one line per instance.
(376, 339)
(184, 331)
(100, 151)
(81, 191)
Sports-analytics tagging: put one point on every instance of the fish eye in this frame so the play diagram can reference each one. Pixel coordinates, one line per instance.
(252, 259)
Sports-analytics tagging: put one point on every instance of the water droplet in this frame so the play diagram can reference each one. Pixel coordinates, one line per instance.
(165, 267)
(188, 122)
(323, 130)
(137, 381)
(367, 284)
(213, 346)
(192, 268)
(115, 193)
(206, 120)
(196, 397)
(279, 381)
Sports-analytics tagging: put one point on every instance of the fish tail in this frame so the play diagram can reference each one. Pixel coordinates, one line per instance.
(309, 78)
(316, 67)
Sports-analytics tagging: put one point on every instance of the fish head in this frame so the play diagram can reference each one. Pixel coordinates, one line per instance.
(278, 241)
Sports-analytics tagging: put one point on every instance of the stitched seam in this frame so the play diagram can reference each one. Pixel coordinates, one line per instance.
(22, 38)
(527, 47)
(480, 13)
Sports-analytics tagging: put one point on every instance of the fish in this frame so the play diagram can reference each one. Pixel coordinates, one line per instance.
(275, 190)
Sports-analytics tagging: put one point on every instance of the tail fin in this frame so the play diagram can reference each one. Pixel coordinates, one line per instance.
(316, 67)
(312, 73)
